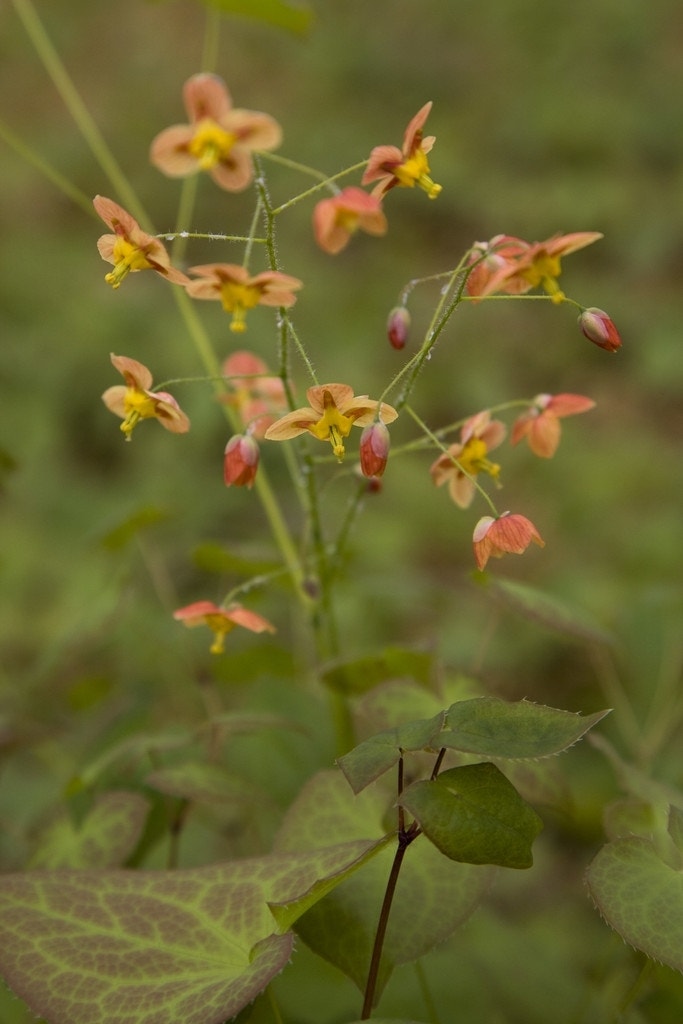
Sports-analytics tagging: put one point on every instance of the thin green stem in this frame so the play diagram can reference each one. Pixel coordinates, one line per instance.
(439, 444)
(276, 521)
(188, 196)
(53, 176)
(430, 1005)
(79, 112)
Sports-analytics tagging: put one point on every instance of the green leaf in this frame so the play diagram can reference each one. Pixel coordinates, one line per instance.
(182, 947)
(376, 755)
(641, 897)
(547, 610)
(105, 839)
(130, 750)
(675, 827)
(206, 783)
(433, 896)
(295, 17)
(362, 674)
(500, 729)
(473, 814)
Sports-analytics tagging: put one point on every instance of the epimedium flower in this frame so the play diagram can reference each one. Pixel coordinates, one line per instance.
(374, 449)
(239, 292)
(134, 401)
(398, 327)
(336, 219)
(468, 457)
(540, 424)
(130, 248)
(257, 396)
(240, 461)
(506, 534)
(599, 328)
(221, 620)
(219, 138)
(516, 266)
(405, 167)
(332, 411)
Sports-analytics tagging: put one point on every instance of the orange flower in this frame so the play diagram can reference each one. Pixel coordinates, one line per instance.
(239, 292)
(221, 620)
(240, 461)
(333, 410)
(600, 329)
(506, 534)
(406, 167)
(255, 394)
(515, 266)
(540, 424)
(219, 139)
(134, 401)
(337, 218)
(130, 248)
(479, 435)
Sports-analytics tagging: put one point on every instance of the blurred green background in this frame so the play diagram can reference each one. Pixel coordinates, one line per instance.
(553, 117)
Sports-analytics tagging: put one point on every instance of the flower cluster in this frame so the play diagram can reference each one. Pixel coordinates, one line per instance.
(223, 142)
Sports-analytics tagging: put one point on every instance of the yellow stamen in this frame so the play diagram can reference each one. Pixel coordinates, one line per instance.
(332, 426)
(211, 144)
(544, 272)
(126, 257)
(472, 459)
(237, 298)
(138, 406)
(415, 171)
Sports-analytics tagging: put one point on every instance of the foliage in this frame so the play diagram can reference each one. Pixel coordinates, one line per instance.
(308, 796)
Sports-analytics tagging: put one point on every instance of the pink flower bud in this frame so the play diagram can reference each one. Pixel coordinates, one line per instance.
(240, 461)
(374, 449)
(398, 325)
(599, 328)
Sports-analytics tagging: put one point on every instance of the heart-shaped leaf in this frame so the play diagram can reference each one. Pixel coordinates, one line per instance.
(183, 947)
(105, 839)
(376, 755)
(473, 814)
(433, 896)
(496, 728)
(641, 897)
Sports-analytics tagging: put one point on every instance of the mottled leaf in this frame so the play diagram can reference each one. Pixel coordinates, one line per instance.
(641, 897)
(473, 814)
(104, 839)
(183, 947)
(376, 755)
(433, 896)
(516, 729)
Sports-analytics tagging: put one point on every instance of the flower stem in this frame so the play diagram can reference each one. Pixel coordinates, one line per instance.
(79, 112)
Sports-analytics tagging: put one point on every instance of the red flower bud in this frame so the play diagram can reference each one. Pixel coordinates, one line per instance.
(599, 328)
(398, 325)
(374, 449)
(240, 461)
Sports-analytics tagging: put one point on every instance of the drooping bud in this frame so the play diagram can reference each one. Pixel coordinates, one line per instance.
(599, 328)
(398, 325)
(374, 449)
(240, 461)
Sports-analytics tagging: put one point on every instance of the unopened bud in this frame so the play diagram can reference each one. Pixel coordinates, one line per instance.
(240, 461)
(398, 325)
(374, 449)
(600, 329)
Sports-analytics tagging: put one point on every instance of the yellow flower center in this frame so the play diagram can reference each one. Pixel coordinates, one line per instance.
(138, 406)
(126, 257)
(333, 426)
(544, 272)
(221, 627)
(472, 459)
(237, 299)
(210, 144)
(415, 171)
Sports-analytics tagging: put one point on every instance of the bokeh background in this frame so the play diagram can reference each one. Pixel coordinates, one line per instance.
(549, 118)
